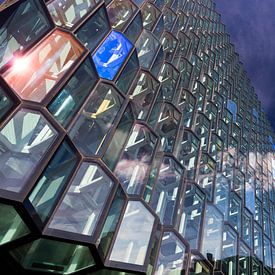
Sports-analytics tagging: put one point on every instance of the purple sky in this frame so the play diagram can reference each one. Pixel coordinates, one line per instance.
(251, 25)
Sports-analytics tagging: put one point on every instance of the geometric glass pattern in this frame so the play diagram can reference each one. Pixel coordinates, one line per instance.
(131, 142)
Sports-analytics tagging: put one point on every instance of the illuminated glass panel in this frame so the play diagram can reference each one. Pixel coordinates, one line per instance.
(111, 54)
(34, 75)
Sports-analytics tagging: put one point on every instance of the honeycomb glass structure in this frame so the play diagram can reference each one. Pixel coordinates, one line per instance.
(131, 142)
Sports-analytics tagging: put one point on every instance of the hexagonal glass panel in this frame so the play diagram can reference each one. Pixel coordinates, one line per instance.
(33, 75)
(120, 12)
(133, 236)
(191, 216)
(52, 182)
(111, 55)
(171, 255)
(84, 201)
(94, 29)
(150, 15)
(166, 191)
(21, 28)
(96, 119)
(24, 141)
(133, 166)
(147, 46)
(53, 256)
(68, 13)
(70, 99)
(11, 225)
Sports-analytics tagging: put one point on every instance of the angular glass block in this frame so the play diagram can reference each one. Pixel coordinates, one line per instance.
(84, 201)
(53, 256)
(68, 13)
(20, 28)
(11, 225)
(171, 255)
(52, 182)
(111, 54)
(120, 12)
(166, 191)
(96, 119)
(24, 141)
(94, 29)
(70, 99)
(133, 166)
(132, 239)
(33, 75)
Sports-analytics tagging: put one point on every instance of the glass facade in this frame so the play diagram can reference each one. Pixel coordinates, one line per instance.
(131, 142)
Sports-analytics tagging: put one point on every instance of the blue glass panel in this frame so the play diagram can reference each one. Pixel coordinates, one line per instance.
(232, 107)
(111, 54)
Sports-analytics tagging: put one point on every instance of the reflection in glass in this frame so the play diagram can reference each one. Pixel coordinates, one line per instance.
(24, 141)
(229, 251)
(11, 225)
(21, 28)
(133, 167)
(133, 236)
(191, 216)
(212, 233)
(120, 12)
(53, 256)
(143, 94)
(84, 201)
(52, 182)
(94, 29)
(111, 55)
(34, 75)
(96, 119)
(167, 190)
(68, 13)
(119, 138)
(70, 99)
(147, 46)
(171, 255)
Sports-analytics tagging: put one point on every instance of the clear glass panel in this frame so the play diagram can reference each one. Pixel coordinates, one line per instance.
(68, 13)
(128, 74)
(212, 233)
(147, 46)
(111, 221)
(133, 236)
(53, 256)
(120, 12)
(166, 125)
(258, 241)
(229, 251)
(191, 216)
(34, 75)
(143, 94)
(24, 141)
(235, 209)
(111, 55)
(84, 201)
(171, 255)
(134, 29)
(96, 119)
(70, 99)
(119, 138)
(51, 184)
(21, 29)
(133, 166)
(11, 225)
(94, 29)
(244, 260)
(149, 15)
(167, 190)
(247, 227)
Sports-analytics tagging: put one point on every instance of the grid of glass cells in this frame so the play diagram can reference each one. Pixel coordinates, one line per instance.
(131, 142)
